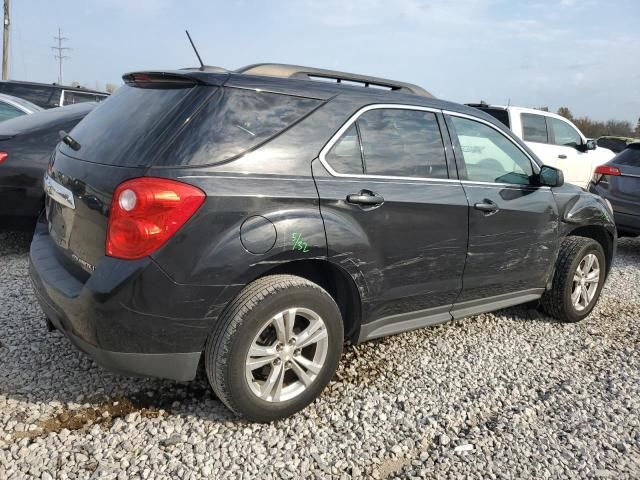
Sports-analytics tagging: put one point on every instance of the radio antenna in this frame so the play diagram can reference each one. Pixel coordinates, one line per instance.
(195, 50)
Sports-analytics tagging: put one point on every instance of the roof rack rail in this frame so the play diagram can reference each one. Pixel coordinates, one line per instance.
(312, 73)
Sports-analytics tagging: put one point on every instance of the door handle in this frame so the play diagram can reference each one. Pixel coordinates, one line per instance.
(562, 155)
(365, 198)
(487, 206)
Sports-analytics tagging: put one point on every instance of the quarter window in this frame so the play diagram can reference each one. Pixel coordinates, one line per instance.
(564, 134)
(489, 156)
(345, 156)
(402, 143)
(534, 128)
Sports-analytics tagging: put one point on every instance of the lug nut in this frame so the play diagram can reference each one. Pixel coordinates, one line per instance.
(292, 341)
(277, 362)
(297, 352)
(279, 347)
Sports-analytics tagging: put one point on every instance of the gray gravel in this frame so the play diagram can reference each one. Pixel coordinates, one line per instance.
(506, 395)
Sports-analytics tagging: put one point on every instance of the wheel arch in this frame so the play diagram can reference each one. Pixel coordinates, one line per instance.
(336, 281)
(601, 235)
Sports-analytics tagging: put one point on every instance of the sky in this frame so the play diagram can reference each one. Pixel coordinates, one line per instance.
(583, 54)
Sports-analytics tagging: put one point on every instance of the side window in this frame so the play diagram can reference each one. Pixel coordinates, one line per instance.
(489, 156)
(564, 134)
(534, 128)
(8, 111)
(402, 143)
(345, 156)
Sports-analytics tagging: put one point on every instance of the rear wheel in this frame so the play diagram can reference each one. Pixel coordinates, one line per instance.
(275, 348)
(577, 281)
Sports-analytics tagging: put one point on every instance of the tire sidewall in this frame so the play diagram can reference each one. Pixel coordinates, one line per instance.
(574, 315)
(313, 298)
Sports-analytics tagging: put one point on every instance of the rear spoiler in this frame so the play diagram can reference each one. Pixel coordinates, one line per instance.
(177, 78)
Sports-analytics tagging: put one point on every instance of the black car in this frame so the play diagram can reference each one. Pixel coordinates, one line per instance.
(26, 144)
(259, 219)
(50, 95)
(619, 182)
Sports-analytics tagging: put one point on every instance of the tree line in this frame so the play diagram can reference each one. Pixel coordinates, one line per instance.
(595, 129)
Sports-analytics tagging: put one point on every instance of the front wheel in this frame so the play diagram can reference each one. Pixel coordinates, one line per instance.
(275, 348)
(578, 280)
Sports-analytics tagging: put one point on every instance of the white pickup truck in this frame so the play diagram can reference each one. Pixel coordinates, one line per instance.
(554, 139)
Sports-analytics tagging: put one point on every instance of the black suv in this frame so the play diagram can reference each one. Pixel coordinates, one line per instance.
(261, 218)
(50, 95)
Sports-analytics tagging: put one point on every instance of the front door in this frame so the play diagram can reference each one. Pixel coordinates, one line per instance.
(512, 222)
(394, 219)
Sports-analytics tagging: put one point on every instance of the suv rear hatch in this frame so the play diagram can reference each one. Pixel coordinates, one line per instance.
(163, 120)
(117, 141)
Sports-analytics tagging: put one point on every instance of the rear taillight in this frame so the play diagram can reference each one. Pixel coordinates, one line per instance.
(146, 212)
(607, 170)
(602, 171)
(3, 156)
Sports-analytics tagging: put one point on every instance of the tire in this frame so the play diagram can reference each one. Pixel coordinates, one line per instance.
(248, 322)
(557, 301)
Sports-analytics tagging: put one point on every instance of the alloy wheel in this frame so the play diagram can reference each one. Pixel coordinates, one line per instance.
(585, 282)
(286, 355)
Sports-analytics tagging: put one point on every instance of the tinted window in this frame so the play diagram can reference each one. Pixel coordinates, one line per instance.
(42, 95)
(534, 128)
(234, 121)
(8, 111)
(119, 130)
(345, 156)
(403, 143)
(563, 133)
(489, 156)
(629, 156)
(499, 114)
(79, 97)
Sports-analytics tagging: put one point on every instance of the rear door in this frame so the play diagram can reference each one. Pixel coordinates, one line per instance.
(512, 222)
(394, 217)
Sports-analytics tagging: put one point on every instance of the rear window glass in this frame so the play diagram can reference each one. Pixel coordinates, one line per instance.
(120, 129)
(42, 95)
(71, 97)
(232, 122)
(629, 156)
(499, 114)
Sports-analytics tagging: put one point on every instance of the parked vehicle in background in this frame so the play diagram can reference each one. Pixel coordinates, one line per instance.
(26, 144)
(615, 144)
(554, 139)
(619, 182)
(11, 107)
(50, 95)
(259, 219)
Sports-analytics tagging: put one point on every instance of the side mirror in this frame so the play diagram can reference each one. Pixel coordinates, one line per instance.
(551, 176)
(591, 145)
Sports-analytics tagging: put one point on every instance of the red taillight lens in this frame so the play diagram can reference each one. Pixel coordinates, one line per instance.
(3, 156)
(146, 212)
(607, 170)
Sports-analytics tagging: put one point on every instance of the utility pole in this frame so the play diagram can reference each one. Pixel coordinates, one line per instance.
(59, 52)
(5, 42)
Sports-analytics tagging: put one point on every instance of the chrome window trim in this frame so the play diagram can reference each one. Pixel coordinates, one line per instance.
(377, 106)
(489, 124)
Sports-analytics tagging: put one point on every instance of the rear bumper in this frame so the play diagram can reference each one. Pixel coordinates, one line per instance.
(627, 223)
(128, 315)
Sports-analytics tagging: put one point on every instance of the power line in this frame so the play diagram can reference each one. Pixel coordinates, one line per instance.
(59, 53)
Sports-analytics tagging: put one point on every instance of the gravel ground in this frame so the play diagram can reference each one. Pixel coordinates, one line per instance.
(505, 395)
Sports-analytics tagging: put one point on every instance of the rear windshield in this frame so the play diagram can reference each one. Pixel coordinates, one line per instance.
(232, 122)
(499, 114)
(629, 156)
(42, 95)
(121, 129)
